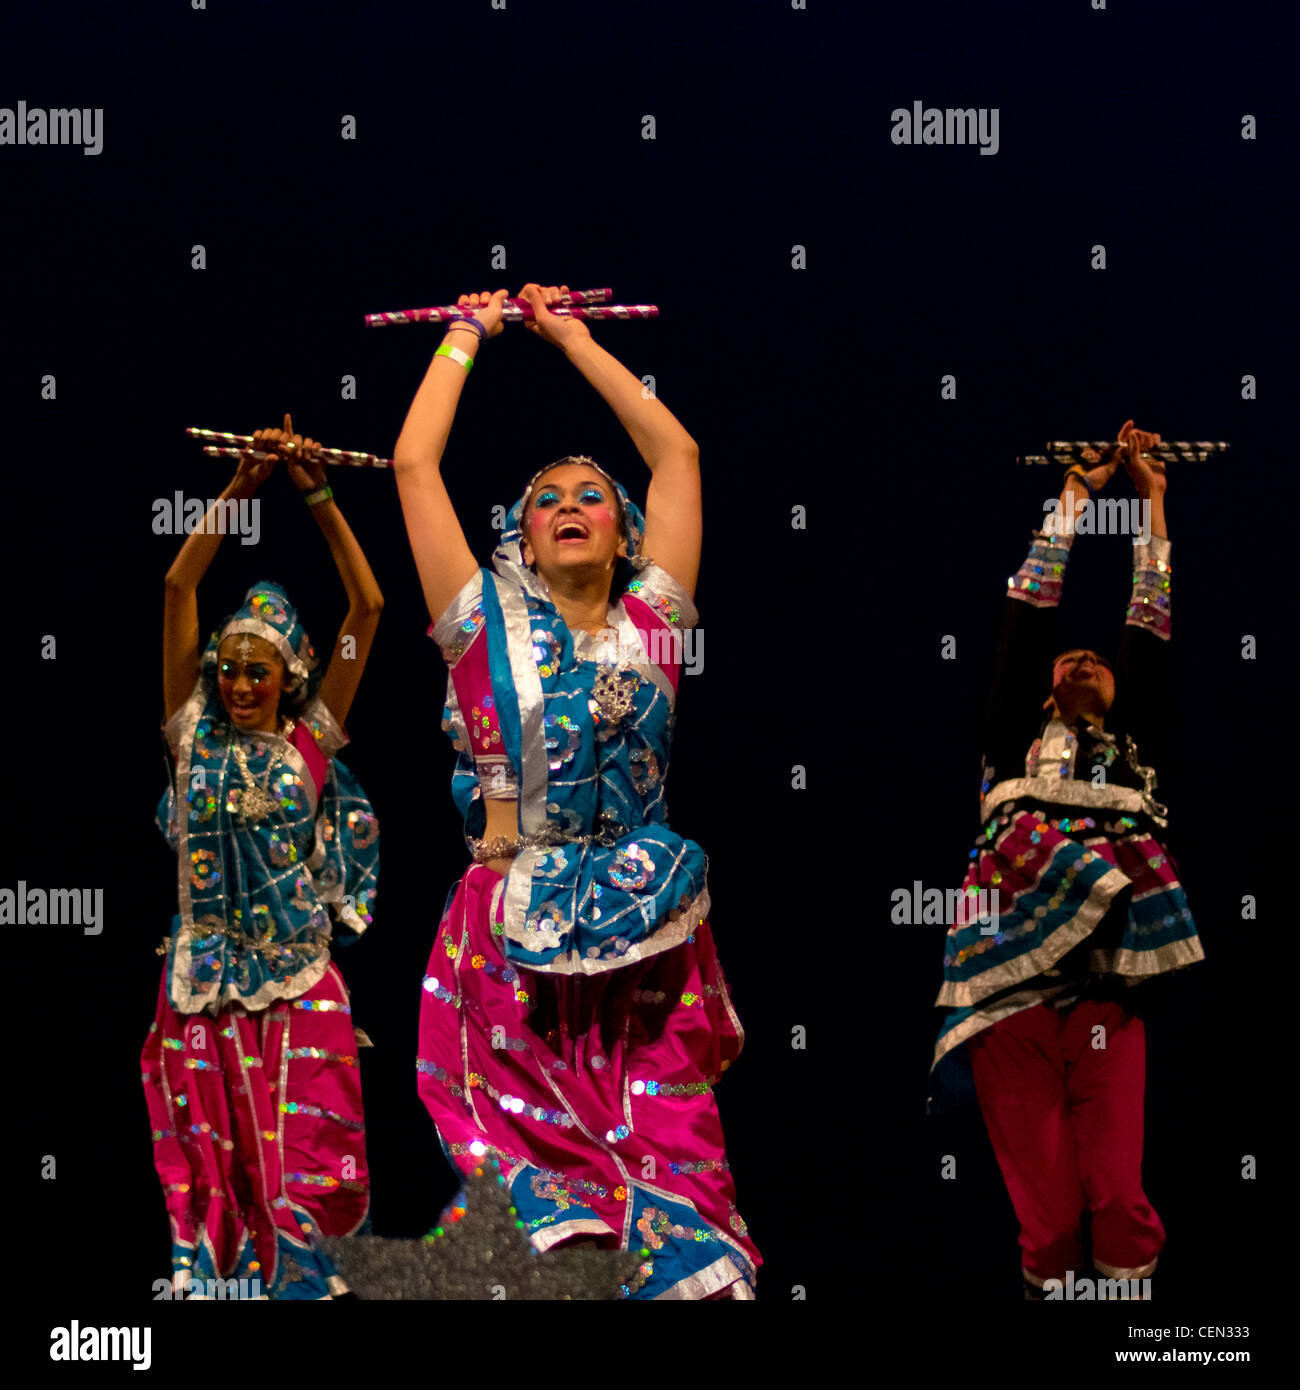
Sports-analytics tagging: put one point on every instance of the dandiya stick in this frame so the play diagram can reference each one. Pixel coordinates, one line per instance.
(359, 460)
(225, 452)
(578, 304)
(1070, 451)
(445, 312)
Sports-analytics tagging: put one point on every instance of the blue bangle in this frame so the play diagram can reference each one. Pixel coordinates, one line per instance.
(470, 323)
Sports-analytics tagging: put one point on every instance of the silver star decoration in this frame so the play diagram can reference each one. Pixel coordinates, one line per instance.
(483, 1256)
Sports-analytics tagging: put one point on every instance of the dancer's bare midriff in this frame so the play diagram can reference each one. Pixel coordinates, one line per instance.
(502, 819)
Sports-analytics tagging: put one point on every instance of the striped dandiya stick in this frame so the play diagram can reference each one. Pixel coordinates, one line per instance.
(576, 304)
(1071, 451)
(226, 450)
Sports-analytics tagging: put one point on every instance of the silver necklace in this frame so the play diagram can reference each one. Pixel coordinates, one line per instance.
(256, 802)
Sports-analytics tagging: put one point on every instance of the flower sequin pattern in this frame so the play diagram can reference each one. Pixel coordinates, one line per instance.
(466, 631)
(645, 770)
(664, 607)
(632, 868)
(563, 737)
(269, 607)
(546, 652)
(547, 927)
(363, 826)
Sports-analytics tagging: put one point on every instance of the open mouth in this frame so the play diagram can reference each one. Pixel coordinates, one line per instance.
(571, 531)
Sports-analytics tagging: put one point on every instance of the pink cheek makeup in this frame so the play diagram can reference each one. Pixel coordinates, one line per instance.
(259, 695)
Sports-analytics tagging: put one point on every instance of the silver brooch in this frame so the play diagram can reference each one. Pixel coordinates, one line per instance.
(613, 695)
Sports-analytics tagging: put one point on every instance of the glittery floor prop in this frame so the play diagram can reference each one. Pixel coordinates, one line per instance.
(479, 1251)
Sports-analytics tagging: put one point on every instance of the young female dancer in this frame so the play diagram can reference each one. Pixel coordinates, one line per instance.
(1042, 1013)
(250, 1068)
(575, 1018)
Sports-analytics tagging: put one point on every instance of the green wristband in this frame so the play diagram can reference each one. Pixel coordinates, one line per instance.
(324, 494)
(456, 355)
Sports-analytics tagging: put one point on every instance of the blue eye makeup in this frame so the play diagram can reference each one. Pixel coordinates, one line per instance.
(547, 498)
(593, 495)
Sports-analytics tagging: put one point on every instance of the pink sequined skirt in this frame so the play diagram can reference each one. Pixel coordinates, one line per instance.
(594, 1091)
(259, 1138)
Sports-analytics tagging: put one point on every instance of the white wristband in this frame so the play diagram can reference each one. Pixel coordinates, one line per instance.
(456, 355)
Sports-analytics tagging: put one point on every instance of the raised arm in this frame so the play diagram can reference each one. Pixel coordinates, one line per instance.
(674, 515)
(1144, 669)
(347, 662)
(1029, 636)
(180, 599)
(442, 556)
(1148, 474)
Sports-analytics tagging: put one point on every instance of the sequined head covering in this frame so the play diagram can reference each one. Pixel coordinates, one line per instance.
(267, 613)
(508, 558)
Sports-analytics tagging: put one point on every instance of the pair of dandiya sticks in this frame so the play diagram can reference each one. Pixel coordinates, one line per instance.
(593, 305)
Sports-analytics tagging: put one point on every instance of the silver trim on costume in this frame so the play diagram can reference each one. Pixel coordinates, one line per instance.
(333, 737)
(1116, 1272)
(457, 721)
(519, 886)
(546, 1236)
(447, 626)
(660, 582)
(1063, 792)
(995, 1013)
(256, 627)
(721, 1274)
(960, 994)
(663, 938)
(1173, 955)
(293, 756)
(1158, 550)
(532, 707)
(1056, 747)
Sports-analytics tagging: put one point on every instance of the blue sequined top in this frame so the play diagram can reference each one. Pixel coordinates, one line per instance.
(269, 859)
(577, 730)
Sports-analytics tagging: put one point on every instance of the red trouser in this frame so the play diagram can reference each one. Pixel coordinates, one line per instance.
(1065, 1118)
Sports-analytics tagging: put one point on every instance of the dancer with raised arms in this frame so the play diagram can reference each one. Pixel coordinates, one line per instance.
(250, 1068)
(1043, 1014)
(574, 1017)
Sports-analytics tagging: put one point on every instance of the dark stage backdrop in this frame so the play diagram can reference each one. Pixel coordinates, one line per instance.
(818, 283)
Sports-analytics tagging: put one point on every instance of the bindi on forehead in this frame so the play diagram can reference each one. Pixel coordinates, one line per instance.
(246, 648)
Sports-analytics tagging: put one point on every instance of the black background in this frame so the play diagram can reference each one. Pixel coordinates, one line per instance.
(816, 387)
